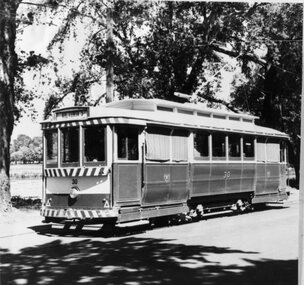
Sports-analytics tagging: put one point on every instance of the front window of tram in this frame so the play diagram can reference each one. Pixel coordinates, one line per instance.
(94, 144)
(51, 137)
(70, 146)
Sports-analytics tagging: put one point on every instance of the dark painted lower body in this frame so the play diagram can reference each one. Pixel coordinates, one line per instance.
(159, 189)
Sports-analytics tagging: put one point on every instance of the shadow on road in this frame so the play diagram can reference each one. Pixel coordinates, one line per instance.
(134, 260)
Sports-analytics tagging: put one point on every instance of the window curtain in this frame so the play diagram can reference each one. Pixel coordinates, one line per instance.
(261, 151)
(158, 144)
(273, 152)
(179, 146)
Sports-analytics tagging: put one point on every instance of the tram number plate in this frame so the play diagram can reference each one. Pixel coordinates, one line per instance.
(227, 174)
(74, 181)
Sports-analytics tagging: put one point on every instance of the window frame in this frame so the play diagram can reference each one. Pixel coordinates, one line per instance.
(284, 161)
(158, 130)
(94, 163)
(202, 158)
(126, 160)
(219, 158)
(250, 158)
(184, 131)
(70, 164)
(235, 158)
(55, 164)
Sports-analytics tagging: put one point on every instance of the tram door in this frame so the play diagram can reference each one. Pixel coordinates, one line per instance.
(127, 166)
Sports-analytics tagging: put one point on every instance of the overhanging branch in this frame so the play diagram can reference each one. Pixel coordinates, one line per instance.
(247, 56)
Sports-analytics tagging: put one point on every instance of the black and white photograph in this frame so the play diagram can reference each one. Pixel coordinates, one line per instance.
(151, 142)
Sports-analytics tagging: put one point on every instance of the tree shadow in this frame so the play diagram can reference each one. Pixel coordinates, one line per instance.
(137, 260)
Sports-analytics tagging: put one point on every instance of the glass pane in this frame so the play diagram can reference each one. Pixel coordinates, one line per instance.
(70, 145)
(180, 145)
(234, 146)
(282, 151)
(273, 150)
(127, 142)
(201, 145)
(51, 146)
(248, 147)
(218, 145)
(94, 144)
(261, 149)
(158, 144)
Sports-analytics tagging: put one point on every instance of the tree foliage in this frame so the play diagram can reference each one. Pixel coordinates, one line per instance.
(167, 47)
(25, 149)
(272, 91)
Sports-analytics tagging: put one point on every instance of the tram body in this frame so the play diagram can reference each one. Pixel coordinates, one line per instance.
(142, 159)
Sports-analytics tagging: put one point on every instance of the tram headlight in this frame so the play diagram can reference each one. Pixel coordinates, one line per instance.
(74, 192)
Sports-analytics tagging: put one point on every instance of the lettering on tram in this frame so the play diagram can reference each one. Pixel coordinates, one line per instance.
(146, 159)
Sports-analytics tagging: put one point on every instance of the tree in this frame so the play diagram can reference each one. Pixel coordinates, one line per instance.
(272, 90)
(26, 150)
(8, 69)
(159, 48)
(11, 90)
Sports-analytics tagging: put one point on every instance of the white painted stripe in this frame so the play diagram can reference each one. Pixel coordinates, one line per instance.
(96, 171)
(74, 172)
(81, 172)
(89, 171)
(80, 214)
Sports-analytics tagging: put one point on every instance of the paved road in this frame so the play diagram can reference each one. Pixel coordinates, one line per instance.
(255, 248)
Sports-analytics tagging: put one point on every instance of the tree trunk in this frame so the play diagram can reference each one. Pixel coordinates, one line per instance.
(8, 67)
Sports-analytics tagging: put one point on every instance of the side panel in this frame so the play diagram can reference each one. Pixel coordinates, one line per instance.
(200, 179)
(260, 179)
(179, 183)
(233, 178)
(127, 183)
(283, 176)
(222, 178)
(248, 182)
(218, 178)
(165, 184)
(157, 184)
(273, 177)
(268, 178)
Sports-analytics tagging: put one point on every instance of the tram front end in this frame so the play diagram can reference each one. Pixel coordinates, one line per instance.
(77, 168)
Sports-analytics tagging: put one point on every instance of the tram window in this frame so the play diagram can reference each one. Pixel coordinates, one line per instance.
(261, 149)
(273, 150)
(158, 144)
(180, 145)
(283, 152)
(94, 147)
(127, 141)
(234, 147)
(201, 145)
(51, 137)
(218, 146)
(248, 148)
(70, 145)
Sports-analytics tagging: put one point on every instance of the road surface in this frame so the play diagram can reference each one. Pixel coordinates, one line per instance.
(255, 248)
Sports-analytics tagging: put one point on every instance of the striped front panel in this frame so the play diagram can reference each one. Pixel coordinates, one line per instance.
(78, 214)
(75, 172)
(92, 122)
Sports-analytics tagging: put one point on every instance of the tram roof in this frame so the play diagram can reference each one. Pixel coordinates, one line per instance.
(166, 113)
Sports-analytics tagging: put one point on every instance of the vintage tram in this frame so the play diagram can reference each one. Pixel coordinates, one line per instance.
(140, 159)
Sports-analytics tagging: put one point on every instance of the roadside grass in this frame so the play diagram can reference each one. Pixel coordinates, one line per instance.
(26, 186)
(25, 171)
